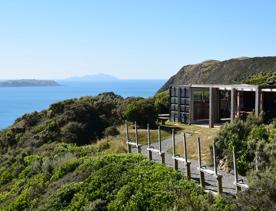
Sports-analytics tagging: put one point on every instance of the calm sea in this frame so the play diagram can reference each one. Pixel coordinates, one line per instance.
(16, 101)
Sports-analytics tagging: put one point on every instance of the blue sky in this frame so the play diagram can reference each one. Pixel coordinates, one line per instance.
(145, 39)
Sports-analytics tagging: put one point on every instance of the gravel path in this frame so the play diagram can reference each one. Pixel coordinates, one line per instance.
(210, 181)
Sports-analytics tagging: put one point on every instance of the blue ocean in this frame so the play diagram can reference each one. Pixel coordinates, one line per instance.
(16, 101)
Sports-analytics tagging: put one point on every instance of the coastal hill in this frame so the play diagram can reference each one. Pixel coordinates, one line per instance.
(222, 72)
(95, 77)
(28, 82)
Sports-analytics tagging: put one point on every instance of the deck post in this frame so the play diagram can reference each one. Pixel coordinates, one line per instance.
(218, 177)
(174, 151)
(257, 101)
(233, 103)
(188, 164)
(149, 144)
(235, 172)
(202, 178)
(211, 107)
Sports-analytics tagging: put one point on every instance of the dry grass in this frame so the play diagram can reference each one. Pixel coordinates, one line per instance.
(117, 144)
(206, 135)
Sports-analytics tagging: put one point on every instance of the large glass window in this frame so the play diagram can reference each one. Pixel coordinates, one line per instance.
(201, 96)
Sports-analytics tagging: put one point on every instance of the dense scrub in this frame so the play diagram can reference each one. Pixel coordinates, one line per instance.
(252, 141)
(65, 176)
(80, 121)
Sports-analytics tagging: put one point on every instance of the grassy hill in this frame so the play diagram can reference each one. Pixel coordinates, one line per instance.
(222, 72)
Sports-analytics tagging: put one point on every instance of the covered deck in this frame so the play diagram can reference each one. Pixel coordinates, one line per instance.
(214, 103)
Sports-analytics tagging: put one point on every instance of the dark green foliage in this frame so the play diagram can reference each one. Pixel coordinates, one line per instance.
(64, 176)
(261, 194)
(79, 121)
(250, 138)
(162, 102)
(142, 111)
(111, 131)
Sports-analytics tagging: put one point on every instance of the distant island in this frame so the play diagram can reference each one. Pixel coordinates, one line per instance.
(95, 77)
(28, 82)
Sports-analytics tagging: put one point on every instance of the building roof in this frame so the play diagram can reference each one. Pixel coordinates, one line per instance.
(239, 87)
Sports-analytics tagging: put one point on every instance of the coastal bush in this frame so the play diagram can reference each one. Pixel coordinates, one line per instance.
(162, 102)
(111, 131)
(142, 111)
(261, 194)
(71, 178)
(251, 139)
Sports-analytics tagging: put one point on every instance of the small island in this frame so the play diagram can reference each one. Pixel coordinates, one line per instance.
(28, 83)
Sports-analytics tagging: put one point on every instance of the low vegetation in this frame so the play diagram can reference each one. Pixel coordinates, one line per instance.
(255, 146)
(72, 157)
(262, 78)
(206, 136)
(252, 141)
(62, 176)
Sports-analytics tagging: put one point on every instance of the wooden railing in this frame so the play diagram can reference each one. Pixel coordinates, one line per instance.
(201, 169)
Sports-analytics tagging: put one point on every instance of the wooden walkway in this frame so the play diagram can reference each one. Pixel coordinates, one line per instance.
(210, 178)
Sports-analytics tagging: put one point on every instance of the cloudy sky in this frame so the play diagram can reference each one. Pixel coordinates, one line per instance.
(145, 39)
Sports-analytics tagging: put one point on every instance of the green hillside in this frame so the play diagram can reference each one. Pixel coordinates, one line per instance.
(222, 72)
(62, 159)
(57, 160)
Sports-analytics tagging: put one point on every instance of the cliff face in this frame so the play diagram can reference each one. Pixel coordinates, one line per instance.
(221, 72)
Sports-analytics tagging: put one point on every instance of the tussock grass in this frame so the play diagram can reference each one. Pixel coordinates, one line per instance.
(206, 135)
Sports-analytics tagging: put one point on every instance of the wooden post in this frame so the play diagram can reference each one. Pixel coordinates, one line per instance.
(127, 139)
(136, 134)
(219, 184)
(211, 107)
(159, 139)
(160, 146)
(257, 101)
(202, 178)
(127, 136)
(188, 164)
(215, 160)
(174, 152)
(162, 157)
(218, 177)
(136, 139)
(233, 103)
(185, 147)
(149, 144)
(199, 152)
(235, 171)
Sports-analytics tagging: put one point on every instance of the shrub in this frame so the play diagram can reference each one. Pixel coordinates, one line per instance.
(111, 131)
(250, 139)
(142, 111)
(162, 102)
(261, 192)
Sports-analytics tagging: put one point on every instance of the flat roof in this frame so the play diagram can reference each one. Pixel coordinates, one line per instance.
(239, 87)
